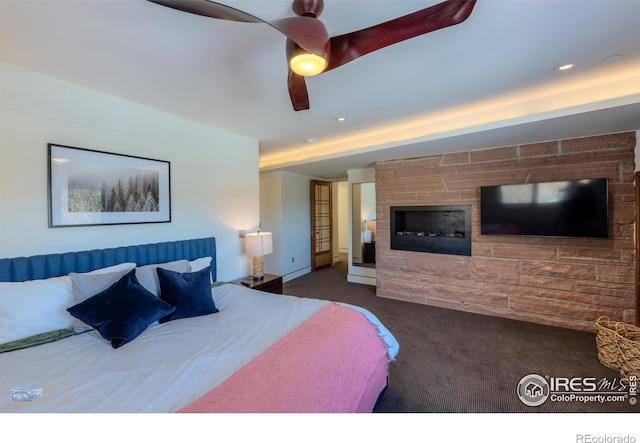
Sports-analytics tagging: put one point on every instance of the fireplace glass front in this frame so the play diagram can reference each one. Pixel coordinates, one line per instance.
(436, 229)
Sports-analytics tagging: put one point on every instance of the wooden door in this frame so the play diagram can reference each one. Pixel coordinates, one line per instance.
(321, 238)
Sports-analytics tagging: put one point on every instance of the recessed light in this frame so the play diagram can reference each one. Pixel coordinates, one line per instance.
(565, 67)
(341, 119)
(309, 140)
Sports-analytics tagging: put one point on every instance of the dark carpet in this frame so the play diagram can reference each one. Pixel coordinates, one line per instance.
(457, 362)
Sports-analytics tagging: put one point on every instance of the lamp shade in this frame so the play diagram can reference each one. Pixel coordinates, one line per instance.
(259, 243)
(371, 225)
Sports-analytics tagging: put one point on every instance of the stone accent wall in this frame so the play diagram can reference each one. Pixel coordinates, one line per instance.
(555, 281)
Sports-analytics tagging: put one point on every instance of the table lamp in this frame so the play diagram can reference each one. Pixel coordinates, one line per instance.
(371, 226)
(258, 245)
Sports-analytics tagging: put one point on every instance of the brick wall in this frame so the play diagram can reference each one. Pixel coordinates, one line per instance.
(555, 281)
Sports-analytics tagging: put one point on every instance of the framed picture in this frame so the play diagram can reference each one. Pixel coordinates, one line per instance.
(89, 187)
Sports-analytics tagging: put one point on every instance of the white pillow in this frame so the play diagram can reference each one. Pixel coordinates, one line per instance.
(37, 306)
(199, 264)
(115, 268)
(148, 276)
(34, 307)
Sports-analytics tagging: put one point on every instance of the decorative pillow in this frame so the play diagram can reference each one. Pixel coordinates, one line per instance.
(34, 307)
(189, 292)
(91, 283)
(148, 277)
(123, 311)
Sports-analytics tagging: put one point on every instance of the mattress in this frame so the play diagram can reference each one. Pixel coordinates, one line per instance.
(168, 367)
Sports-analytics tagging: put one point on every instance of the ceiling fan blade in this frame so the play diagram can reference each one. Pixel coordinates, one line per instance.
(347, 47)
(308, 32)
(209, 9)
(298, 91)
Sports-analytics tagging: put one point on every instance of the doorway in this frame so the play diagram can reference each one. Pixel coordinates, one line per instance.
(321, 225)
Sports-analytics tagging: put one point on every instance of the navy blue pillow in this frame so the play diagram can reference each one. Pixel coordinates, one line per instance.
(189, 292)
(122, 311)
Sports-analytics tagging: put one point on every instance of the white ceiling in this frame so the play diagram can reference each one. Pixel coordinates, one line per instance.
(487, 82)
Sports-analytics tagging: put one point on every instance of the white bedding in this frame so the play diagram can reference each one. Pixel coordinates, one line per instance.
(165, 368)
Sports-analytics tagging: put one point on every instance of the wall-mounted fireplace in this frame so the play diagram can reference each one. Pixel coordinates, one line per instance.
(437, 229)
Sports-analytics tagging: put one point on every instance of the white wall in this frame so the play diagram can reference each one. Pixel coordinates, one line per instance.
(285, 210)
(296, 224)
(214, 173)
(271, 219)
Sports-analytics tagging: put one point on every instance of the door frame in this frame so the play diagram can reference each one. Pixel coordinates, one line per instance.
(359, 274)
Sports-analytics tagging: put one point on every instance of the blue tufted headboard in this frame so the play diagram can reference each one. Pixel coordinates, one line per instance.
(53, 265)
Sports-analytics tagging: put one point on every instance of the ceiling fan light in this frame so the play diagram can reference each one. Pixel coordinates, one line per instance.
(307, 64)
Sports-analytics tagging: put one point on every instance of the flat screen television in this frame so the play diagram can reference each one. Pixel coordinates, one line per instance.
(571, 208)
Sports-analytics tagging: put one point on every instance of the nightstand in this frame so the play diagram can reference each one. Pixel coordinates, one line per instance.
(369, 252)
(270, 283)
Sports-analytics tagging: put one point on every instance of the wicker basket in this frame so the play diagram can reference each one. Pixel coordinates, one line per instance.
(628, 340)
(606, 342)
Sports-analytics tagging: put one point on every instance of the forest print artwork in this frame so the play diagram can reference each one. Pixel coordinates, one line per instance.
(96, 189)
(88, 187)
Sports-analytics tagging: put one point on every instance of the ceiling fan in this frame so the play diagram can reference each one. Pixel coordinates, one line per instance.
(310, 50)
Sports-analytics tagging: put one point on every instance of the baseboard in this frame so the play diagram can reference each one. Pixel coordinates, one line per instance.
(296, 274)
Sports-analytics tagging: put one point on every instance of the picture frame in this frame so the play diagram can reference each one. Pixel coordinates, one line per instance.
(89, 187)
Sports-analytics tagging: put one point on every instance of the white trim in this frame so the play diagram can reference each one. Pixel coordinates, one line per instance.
(361, 279)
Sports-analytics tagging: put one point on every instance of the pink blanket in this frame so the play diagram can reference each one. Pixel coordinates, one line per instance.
(333, 362)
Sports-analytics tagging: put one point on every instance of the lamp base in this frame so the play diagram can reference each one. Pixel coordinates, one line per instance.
(258, 267)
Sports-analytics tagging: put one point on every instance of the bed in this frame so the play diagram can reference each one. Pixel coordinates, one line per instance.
(130, 329)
